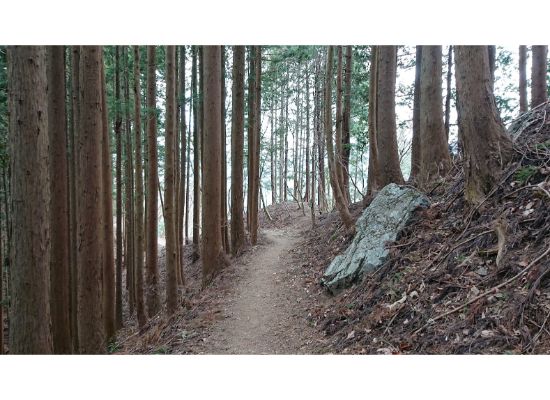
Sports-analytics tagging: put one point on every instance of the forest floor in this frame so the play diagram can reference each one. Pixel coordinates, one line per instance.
(460, 279)
(255, 306)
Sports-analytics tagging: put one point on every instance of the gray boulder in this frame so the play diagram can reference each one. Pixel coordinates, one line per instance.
(381, 222)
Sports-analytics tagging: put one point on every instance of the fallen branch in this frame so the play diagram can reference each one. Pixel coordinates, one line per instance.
(487, 292)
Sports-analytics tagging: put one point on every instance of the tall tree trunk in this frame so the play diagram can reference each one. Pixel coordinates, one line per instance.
(448, 96)
(237, 145)
(30, 196)
(188, 168)
(169, 176)
(341, 204)
(321, 192)
(59, 222)
(109, 260)
(339, 152)
(522, 79)
(225, 230)
(212, 251)
(196, 155)
(485, 142)
(152, 275)
(90, 211)
(257, 133)
(139, 215)
(434, 159)
(386, 130)
(539, 84)
(346, 118)
(130, 256)
(415, 147)
(373, 178)
(183, 161)
(272, 151)
(118, 178)
(250, 135)
(75, 104)
(307, 193)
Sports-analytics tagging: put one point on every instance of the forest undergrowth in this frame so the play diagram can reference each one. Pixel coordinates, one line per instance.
(460, 279)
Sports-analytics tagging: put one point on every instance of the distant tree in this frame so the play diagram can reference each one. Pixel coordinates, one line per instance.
(434, 158)
(30, 195)
(539, 85)
(346, 120)
(415, 147)
(522, 78)
(486, 145)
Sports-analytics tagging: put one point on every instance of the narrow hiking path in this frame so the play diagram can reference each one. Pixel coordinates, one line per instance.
(262, 314)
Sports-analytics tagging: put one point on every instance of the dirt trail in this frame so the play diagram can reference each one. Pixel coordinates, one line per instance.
(262, 316)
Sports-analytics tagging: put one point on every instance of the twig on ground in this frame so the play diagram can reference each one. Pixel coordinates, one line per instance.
(487, 292)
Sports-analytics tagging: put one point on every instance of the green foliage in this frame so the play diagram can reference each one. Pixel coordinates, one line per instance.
(525, 173)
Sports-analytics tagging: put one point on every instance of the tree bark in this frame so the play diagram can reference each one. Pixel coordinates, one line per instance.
(118, 179)
(341, 204)
(108, 239)
(448, 96)
(386, 130)
(487, 148)
(139, 215)
(492, 51)
(152, 276)
(212, 251)
(196, 155)
(169, 176)
(434, 152)
(182, 166)
(339, 152)
(224, 222)
(522, 79)
(415, 147)
(237, 145)
(130, 255)
(59, 210)
(75, 104)
(30, 196)
(257, 132)
(539, 85)
(373, 178)
(346, 118)
(90, 211)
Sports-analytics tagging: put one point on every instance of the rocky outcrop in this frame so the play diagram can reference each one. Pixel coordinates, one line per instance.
(381, 222)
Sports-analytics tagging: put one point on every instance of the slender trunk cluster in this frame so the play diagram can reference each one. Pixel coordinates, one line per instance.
(335, 179)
